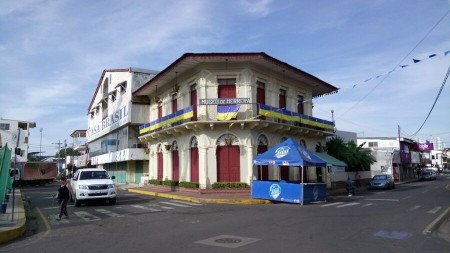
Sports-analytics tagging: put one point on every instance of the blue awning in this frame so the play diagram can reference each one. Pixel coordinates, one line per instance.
(289, 153)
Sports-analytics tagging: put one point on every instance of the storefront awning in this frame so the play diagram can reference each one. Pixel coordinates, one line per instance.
(331, 161)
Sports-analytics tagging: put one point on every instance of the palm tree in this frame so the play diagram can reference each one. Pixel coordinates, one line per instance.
(357, 158)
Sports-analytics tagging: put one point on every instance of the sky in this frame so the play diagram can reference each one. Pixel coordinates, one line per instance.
(52, 54)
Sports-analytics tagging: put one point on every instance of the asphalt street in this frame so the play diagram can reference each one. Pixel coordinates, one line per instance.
(376, 221)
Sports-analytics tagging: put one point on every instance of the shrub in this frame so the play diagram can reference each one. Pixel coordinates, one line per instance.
(229, 185)
(170, 183)
(189, 185)
(155, 181)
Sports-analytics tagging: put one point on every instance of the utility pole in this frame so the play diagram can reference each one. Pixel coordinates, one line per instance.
(59, 152)
(65, 155)
(400, 153)
(14, 177)
(40, 145)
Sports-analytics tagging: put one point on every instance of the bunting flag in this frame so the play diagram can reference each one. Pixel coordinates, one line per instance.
(227, 112)
(401, 66)
(283, 114)
(180, 115)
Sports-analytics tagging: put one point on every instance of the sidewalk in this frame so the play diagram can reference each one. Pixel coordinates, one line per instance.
(13, 228)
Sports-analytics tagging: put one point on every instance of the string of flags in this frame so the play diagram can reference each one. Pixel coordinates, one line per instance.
(401, 67)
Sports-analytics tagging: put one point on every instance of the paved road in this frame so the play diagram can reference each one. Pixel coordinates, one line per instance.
(378, 221)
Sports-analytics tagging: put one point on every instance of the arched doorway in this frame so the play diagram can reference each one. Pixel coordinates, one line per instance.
(159, 162)
(194, 160)
(263, 170)
(175, 162)
(228, 159)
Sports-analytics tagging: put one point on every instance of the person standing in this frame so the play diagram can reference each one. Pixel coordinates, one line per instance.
(63, 197)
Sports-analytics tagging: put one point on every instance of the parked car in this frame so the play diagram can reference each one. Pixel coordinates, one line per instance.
(93, 184)
(428, 175)
(381, 182)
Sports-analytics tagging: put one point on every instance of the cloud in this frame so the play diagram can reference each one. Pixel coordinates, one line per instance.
(260, 8)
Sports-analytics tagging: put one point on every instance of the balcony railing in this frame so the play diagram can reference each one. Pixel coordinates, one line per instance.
(232, 113)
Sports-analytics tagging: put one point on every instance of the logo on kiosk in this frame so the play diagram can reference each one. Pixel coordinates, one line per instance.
(282, 151)
(274, 191)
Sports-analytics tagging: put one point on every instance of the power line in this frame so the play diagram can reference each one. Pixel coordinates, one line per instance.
(434, 103)
(397, 65)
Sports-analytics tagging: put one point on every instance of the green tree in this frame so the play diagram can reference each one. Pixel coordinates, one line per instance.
(356, 157)
(67, 152)
(336, 147)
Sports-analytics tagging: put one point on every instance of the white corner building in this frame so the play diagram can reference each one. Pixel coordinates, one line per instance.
(15, 133)
(114, 117)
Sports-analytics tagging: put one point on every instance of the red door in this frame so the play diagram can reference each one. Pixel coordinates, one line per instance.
(194, 103)
(194, 165)
(282, 99)
(300, 108)
(159, 112)
(227, 91)
(160, 166)
(175, 166)
(284, 173)
(174, 104)
(228, 164)
(261, 97)
(263, 170)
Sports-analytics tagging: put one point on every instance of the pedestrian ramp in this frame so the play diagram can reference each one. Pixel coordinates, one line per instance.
(81, 214)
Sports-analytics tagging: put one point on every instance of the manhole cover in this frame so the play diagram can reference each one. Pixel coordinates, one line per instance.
(228, 240)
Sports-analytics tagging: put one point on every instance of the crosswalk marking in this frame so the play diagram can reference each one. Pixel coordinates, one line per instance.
(413, 208)
(86, 216)
(174, 204)
(349, 204)
(187, 203)
(54, 217)
(434, 210)
(54, 207)
(366, 205)
(107, 212)
(146, 208)
(332, 204)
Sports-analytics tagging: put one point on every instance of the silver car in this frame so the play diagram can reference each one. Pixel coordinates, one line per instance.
(428, 175)
(381, 182)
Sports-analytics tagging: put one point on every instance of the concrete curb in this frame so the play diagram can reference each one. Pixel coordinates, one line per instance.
(17, 229)
(437, 222)
(201, 200)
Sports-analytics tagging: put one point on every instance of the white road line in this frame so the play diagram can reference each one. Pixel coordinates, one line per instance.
(54, 207)
(434, 210)
(366, 205)
(413, 208)
(146, 208)
(332, 204)
(187, 203)
(393, 200)
(174, 204)
(425, 191)
(109, 213)
(86, 216)
(54, 221)
(349, 204)
(407, 197)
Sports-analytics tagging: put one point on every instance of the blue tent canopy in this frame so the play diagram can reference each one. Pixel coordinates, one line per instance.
(289, 153)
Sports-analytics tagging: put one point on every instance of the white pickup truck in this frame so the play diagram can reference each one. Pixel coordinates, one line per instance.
(93, 184)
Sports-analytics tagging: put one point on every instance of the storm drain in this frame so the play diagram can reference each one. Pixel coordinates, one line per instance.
(228, 241)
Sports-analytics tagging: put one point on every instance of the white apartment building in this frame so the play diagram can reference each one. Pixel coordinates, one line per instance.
(390, 158)
(15, 133)
(212, 113)
(114, 116)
